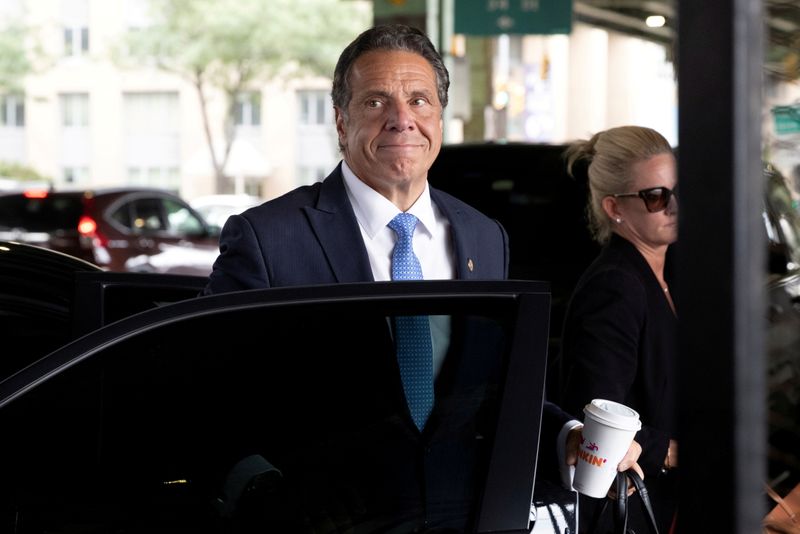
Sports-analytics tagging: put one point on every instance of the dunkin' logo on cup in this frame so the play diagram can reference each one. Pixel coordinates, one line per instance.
(609, 426)
(587, 456)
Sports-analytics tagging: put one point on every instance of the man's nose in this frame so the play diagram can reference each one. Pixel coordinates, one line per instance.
(400, 118)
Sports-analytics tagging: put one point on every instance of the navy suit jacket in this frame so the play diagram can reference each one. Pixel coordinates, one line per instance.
(311, 236)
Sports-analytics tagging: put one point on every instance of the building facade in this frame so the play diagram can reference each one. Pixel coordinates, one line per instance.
(80, 119)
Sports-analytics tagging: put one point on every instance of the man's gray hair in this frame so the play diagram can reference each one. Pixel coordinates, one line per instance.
(386, 37)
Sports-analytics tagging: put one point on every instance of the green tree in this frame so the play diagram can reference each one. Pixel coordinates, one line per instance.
(232, 46)
(22, 173)
(14, 61)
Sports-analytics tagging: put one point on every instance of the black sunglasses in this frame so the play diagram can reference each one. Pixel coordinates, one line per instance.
(655, 198)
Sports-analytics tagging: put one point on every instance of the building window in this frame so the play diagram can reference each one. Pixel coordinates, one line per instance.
(315, 107)
(151, 113)
(75, 24)
(12, 110)
(75, 110)
(76, 41)
(248, 109)
(152, 141)
(75, 175)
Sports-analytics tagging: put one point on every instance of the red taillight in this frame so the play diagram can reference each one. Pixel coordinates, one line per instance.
(87, 226)
(35, 193)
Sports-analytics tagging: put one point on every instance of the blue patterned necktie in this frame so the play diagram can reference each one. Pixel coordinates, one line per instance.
(412, 333)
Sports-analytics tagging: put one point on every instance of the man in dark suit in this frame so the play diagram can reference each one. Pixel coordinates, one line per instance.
(389, 91)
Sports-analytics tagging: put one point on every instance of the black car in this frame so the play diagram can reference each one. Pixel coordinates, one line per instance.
(223, 414)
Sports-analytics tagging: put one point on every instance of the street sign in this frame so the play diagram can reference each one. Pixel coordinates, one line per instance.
(787, 119)
(495, 17)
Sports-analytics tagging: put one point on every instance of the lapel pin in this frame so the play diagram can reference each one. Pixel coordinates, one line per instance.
(470, 265)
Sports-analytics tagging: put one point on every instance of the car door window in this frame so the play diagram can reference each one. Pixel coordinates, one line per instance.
(122, 215)
(148, 216)
(181, 220)
(140, 216)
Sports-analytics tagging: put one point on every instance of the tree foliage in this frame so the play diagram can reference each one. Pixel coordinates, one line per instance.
(20, 172)
(234, 46)
(14, 62)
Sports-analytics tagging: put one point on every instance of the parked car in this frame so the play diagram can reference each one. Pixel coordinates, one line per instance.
(143, 425)
(526, 187)
(118, 229)
(216, 209)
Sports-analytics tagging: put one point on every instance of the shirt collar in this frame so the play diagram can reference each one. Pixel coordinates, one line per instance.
(374, 211)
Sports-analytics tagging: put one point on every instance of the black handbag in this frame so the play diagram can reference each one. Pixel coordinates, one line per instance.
(621, 503)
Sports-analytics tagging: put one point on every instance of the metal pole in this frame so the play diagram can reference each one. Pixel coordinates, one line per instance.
(721, 267)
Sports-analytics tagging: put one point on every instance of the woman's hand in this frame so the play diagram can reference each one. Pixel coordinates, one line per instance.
(629, 462)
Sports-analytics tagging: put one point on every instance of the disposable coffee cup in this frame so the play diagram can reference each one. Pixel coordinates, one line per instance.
(608, 430)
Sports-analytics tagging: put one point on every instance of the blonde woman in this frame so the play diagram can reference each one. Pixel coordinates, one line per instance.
(619, 339)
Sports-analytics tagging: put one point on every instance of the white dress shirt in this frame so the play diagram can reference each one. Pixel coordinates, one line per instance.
(432, 243)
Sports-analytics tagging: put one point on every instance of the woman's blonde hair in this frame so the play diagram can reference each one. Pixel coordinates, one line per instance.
(611, 154)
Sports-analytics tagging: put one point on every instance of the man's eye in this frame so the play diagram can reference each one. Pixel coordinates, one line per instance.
(419, 101)
(374, 104)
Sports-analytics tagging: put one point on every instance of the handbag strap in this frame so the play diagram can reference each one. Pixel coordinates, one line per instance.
(619, 508)
(644, 496)
(621, 505)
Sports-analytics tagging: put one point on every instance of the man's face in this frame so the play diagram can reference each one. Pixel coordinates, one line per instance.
(392, 130)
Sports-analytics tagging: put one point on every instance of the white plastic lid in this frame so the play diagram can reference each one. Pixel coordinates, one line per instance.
(613, 414)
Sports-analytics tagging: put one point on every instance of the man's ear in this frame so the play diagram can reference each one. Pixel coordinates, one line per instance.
(340, 126)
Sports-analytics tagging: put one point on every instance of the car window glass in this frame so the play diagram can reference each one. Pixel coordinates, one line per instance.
(181, 220)
(156, 422)
(122, 215)
(147, 215)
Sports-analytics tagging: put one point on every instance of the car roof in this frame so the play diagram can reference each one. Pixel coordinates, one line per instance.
(94, 191)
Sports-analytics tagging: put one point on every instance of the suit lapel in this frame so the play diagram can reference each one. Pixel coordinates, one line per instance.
(465, 244)
(338, 233)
